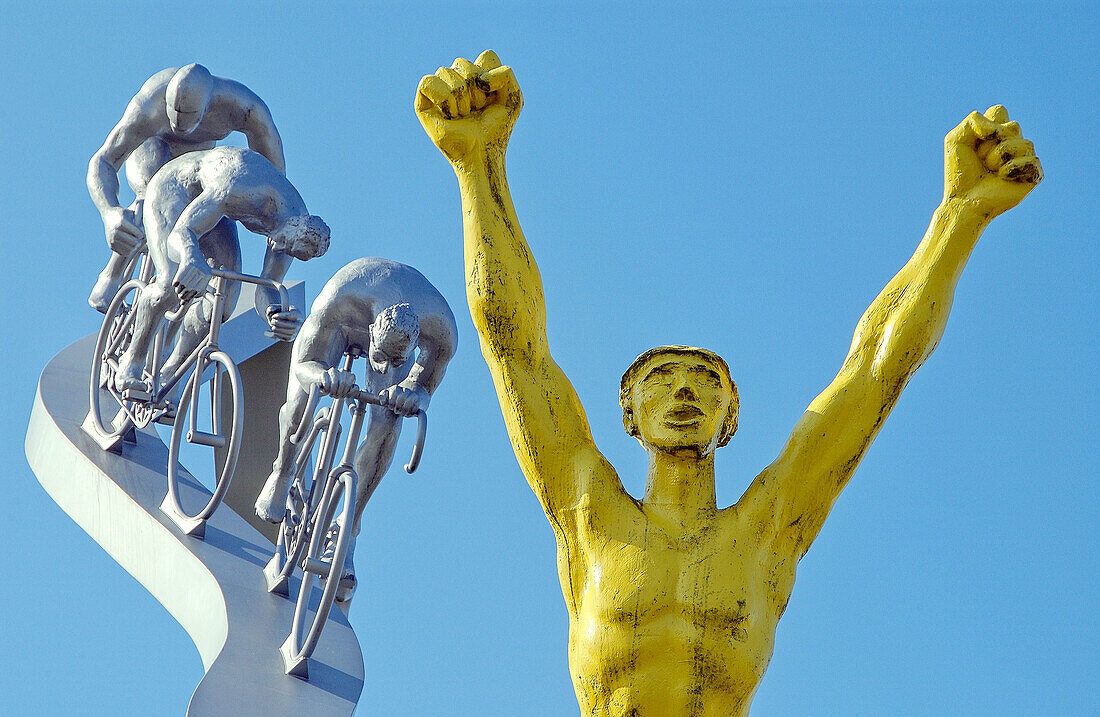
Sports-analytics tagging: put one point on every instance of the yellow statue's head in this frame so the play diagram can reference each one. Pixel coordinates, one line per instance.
(677, 397)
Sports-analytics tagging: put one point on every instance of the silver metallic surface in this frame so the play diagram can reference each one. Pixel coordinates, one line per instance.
(177, 110)
(319, 513)
(371, 304)
(191, 206)
(213, 587)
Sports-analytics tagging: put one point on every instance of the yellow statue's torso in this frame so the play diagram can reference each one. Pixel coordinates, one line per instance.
(667, 622)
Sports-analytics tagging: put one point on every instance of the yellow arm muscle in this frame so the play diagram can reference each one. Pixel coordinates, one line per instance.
(544, 417)
(896, 334)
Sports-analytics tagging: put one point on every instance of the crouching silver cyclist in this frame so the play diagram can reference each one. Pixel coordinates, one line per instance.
(390, 311)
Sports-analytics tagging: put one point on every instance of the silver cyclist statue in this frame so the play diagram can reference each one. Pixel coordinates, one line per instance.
(191, 205)
(177, 110)
(386, 311)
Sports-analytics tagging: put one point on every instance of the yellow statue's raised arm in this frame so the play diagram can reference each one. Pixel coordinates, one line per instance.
(988, 169)
(469, 110)
(673, 603)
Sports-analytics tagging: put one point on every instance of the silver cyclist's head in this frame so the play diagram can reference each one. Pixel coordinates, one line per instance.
(187, 97)
(393, 336)
(304, 236)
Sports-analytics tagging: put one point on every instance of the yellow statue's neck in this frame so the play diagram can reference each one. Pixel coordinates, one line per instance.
(680, 482)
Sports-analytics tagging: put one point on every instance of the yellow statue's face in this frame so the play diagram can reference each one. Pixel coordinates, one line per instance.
(680, 401)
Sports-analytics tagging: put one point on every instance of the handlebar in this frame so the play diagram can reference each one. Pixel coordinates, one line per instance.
(284, 298)
(363, 397)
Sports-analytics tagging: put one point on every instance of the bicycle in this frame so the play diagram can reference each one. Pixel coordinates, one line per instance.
(114, 419)
(113, 339)
(312, 536)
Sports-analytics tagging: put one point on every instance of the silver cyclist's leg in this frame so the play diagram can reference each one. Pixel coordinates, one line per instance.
(152, 303)
(374, 456)
(108, 282)
(372, 460)
(222, 251)
(271, 503)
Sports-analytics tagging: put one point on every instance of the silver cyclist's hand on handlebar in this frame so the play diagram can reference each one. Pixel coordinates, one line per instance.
(122, 231)
(404, 401)
(284, 321)
(338, 383)
(191, 279)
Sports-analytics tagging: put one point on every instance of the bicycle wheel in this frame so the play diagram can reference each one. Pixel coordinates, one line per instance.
(305, 492)
(224, 437)
(328, 547)
(106, 413)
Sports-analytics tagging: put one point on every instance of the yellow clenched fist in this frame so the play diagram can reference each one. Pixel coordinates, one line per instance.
(469, 108)
(987, 164)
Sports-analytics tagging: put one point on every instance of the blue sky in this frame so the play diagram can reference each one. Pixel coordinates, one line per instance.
(729, 176)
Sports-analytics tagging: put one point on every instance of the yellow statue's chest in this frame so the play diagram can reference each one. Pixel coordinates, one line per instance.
(677, 620)
(637, 573)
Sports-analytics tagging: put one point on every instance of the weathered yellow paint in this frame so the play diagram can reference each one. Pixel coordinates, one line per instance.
(673, 602)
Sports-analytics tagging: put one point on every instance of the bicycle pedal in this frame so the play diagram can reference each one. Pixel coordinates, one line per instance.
(167, 418)
(137, 394)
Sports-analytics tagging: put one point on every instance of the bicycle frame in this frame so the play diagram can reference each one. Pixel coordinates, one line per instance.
(162, 386)
(204, 357)
(327, 421)
(312, 526)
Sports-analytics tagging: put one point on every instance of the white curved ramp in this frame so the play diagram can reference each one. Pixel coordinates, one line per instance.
(214, 587)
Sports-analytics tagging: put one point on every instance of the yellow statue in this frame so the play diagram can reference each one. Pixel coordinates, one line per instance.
(673, 602)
